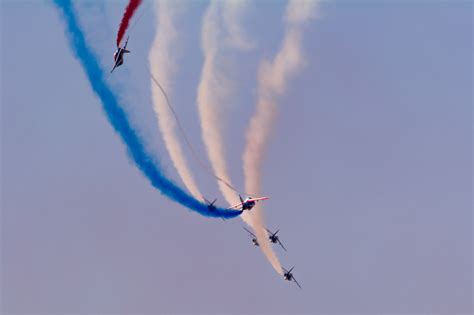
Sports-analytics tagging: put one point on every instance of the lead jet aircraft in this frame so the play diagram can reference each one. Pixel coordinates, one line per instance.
(273, 237)
(288, 276)
(247, 203)
(118, 56)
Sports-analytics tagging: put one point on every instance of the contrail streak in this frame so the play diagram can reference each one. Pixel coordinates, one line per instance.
(213, 91)
(163, 65)
(272, 80)
(120, 121)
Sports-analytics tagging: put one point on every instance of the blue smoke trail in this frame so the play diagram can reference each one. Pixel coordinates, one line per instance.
(119, 120)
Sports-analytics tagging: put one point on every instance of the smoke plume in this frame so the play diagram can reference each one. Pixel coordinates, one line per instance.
(120, 121)
(272, 81)
(163, 65)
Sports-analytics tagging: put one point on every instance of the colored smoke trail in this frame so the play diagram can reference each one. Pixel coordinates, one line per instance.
(212, 93)
(127, 16)
(163, 65)
(119, 120)
(272, 80)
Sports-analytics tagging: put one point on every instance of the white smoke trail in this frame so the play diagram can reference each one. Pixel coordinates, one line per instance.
(233, 12)
(213, 91)
(163, 65)
(272, 80)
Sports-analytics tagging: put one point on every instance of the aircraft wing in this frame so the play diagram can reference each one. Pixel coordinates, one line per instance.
(269, 232)
(239, 205)
(296, 282)
(210, 203)
(258, 199)
(279, 242)
(249, 232)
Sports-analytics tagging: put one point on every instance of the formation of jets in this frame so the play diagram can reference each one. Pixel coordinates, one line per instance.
(272, 237)
(244, 204)
(247, 204)
(287, 275)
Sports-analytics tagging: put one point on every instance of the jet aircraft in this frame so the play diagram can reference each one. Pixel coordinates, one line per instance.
(211, 207)
(288, 276)
(118, 56)
(273, 237)
(254, 238)
(247, 203)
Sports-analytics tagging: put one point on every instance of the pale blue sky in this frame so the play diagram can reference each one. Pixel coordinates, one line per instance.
(369, 170)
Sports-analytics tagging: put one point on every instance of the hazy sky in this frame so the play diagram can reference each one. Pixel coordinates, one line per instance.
(369, 169)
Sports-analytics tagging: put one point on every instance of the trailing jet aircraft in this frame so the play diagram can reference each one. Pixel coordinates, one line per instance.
(254, 238)
(273, 237)
(288, 276)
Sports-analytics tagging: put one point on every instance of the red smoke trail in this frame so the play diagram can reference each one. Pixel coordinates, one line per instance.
(127, 15)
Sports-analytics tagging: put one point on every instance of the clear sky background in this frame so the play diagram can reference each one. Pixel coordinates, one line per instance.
(369, 169)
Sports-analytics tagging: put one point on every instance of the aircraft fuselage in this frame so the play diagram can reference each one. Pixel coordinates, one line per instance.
(248, 204)
(118, 56)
